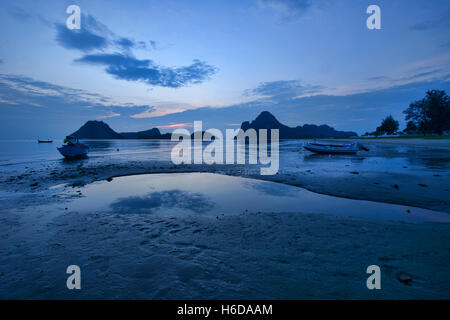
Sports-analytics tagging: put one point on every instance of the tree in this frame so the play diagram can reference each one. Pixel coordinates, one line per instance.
(410, 127)
(432, 113)
(388, 126)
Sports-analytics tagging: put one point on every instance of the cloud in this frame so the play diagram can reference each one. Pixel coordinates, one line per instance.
(284, 89)
(93, 35)
(84, 39)
(176, 125)
(379, 78)
(127, 67)
(28, 94)
(122, 64)
(415, 75)
(287, 9)
(125, 43)
(109, 115)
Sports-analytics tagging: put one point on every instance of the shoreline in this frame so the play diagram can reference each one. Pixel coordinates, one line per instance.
(420, 142)
(299, 255)
(378, 187)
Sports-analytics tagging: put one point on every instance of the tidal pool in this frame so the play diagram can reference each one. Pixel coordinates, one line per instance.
(215, 194)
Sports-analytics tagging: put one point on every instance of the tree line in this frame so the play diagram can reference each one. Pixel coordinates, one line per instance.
(430, 115)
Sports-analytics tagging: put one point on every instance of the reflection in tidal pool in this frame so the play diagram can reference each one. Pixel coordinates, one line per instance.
(214, 194)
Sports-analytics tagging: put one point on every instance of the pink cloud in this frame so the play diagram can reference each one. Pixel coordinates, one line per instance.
(176, 125)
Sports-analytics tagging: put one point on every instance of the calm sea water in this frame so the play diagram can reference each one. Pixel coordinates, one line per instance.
(381, 157)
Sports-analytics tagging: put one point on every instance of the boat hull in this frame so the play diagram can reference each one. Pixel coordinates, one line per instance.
(74, 151)
(45, 141)
(330, 149)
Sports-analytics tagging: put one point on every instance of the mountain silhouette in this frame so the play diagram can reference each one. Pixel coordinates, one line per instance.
(96, 130)
(266, 120)
(147, 134)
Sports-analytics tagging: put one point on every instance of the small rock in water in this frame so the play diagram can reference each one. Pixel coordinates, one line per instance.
(396, 186)
(436, 175)
(354, 172)
(109, 179)
(423, 185)
(404, 278)
(408, 211)
(34, 184)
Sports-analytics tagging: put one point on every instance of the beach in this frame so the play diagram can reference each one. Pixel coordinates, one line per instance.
(187, 253)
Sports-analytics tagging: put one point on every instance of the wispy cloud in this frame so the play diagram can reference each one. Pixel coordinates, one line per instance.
(20, 90)
(284, 89)
(109, 115)
(175, 125)
(287, 9)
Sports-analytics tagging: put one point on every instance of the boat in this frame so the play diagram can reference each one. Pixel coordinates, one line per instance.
(73, 148)
(324, 148)
(45, 141)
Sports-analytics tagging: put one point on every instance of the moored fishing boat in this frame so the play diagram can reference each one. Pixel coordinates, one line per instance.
(45, 141)
(329, 148)
(73, 148)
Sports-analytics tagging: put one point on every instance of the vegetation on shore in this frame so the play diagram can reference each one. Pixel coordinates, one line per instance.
(443, 137)
(428, 116)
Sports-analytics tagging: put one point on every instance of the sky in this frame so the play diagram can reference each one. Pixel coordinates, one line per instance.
(140, 64)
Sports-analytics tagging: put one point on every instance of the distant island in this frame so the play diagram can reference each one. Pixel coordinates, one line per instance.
(94, 129)
(265, 120)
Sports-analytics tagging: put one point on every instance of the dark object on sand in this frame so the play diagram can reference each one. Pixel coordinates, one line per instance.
(109, 179)
(324, 148)
(73, 149)
(45, 141)
(404, 278)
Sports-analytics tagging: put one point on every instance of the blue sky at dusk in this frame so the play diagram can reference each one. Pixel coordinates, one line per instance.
(141, 64)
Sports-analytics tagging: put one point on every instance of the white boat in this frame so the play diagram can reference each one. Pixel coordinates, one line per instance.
(324, 148)
(73, 148)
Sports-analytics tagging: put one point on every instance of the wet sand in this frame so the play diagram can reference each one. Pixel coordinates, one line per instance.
(243, 255)
(239, 256)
